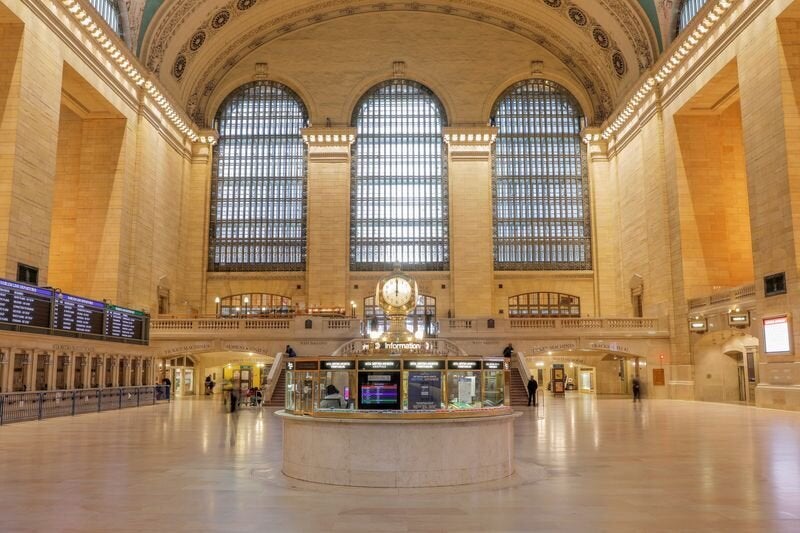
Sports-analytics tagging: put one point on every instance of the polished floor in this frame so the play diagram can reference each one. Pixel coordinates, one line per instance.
(588, 465)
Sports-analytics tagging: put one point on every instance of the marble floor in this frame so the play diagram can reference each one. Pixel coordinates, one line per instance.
(588, 465)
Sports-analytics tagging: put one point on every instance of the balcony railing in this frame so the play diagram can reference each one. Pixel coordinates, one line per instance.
(727, 296)
(25, 406)
(343, 328)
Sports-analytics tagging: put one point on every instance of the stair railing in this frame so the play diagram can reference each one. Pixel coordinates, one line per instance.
(522, 365)
(273, 377)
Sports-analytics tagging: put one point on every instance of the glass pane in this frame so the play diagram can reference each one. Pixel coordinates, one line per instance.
(109, 10)
(540, 186)
(689, 9)
(399, 208)
(258, 189)
(463, 390)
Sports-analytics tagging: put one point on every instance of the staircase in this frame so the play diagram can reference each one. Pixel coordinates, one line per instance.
(279, 395)
(519, 392)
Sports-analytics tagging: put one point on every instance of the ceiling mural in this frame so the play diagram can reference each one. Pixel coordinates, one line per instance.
(192, 44)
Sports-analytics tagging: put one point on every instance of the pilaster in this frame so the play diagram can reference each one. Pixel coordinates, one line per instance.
(605, 222)
(328, 215)
(471, 219)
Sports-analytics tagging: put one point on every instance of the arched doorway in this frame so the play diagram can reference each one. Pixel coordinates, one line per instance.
(182, 373)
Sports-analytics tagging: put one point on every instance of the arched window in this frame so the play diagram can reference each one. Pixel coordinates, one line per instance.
(399, 180)
(109, 10)
(422, 317)
(544, 305)
(256, 304)
(689, 8)
(541, 192)
(258, 182)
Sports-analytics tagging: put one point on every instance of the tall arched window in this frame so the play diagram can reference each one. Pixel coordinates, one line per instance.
(399, 180)
(109, 10)
(541, 193)
(258, 185)
(689, 8)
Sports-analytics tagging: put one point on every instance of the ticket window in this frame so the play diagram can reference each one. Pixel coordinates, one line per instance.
(18, 378)
(123, 364)
(336, 389)
(94, 378)
(463, 389)
(422, 390)
(62, 363)
(109, 373)
(42, 363)
(494, 388)
(77, 379)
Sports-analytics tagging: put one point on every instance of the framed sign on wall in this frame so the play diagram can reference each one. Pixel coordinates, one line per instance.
(777, 335)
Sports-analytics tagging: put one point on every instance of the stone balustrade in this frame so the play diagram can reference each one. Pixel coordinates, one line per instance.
(319, 327)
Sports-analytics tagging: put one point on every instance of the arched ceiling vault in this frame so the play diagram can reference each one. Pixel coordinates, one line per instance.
(193, 44)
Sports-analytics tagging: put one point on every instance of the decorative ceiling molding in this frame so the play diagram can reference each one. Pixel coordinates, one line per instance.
(599, 83)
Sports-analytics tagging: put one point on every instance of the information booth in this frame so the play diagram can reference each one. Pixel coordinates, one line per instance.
(398, 410)
(396, 385)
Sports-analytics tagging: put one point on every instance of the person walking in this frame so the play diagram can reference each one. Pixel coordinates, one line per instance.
(637, 389)
(289, 351)
(532, 388)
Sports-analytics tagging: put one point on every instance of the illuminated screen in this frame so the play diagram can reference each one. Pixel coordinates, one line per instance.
(379, 390)
(776, 335)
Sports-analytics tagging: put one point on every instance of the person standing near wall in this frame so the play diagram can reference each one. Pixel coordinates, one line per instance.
(508, 350)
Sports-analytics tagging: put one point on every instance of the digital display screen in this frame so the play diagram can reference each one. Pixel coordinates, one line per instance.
(25, 305)
(424, 391)
(124, 323)
(776, 335)
(78, 314)
(379, 390)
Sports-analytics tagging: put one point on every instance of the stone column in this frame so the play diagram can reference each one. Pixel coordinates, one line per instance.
(768, 81)
(30, 99)
(471, 219)
(69, 370)
(328, 215)
(6, 369)
(605, 229)
(194, 230)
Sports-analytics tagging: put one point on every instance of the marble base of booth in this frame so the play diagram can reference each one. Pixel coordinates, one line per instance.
(396, 452)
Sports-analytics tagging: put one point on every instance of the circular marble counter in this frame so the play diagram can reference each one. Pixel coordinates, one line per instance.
(386, 452)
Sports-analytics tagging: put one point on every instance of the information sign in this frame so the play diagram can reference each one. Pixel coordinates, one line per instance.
(423, 365)
(25, 305)
(78, 314)
(469, 365)
(424, 391)
(379, 365)
(776, 335)
(124, 323)
(337, 365)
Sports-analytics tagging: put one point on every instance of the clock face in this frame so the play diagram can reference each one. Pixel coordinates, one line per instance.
(397, 291)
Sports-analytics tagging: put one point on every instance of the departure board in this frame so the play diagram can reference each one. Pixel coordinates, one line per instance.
(125, 323)
(25, 305)
(80, 315)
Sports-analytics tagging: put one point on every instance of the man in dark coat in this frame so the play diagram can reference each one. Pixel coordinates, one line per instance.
(532, 386)
(508, 350)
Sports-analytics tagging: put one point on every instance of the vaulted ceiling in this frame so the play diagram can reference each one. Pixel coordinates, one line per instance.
(192, 45)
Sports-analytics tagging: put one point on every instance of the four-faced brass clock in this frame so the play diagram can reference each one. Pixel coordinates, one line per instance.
(397, 294)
